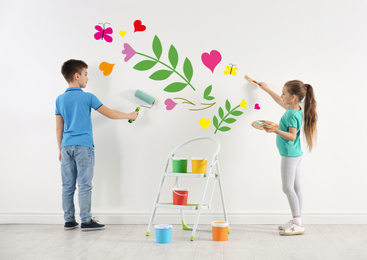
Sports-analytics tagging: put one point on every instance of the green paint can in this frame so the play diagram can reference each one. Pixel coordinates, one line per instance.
(179, 165)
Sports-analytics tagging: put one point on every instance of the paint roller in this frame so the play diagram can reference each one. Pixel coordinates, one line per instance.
(146, 98)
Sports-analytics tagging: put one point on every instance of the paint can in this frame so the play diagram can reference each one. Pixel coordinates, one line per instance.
(198, 165)
(180, 196)
(163, 233)
(179, 165)
(220, 230)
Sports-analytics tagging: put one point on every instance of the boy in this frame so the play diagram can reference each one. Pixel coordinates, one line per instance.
(75, 141)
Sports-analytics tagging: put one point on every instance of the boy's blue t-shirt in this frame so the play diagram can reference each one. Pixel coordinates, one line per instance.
(291, 118)
(75, 108)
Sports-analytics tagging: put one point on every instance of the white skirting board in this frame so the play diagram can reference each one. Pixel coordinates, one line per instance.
(175, 218)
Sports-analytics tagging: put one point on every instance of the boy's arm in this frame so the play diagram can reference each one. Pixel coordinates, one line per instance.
(274, 95)
(114, 114)
(59, 132)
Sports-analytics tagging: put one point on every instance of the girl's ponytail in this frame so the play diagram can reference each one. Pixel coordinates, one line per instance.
(310, 117)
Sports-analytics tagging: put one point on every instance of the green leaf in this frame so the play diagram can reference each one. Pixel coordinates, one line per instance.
(215, 121)
(207, 92)
(228, 105)
(145, 65)
(230, 120)
(221, 112)
(157, 47)
(224, 128)
(237, 113)
(175, 87)
(173, 56)
(188, 70)
(161, 74)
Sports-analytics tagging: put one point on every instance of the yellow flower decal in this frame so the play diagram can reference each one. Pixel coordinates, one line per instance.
(243, 104)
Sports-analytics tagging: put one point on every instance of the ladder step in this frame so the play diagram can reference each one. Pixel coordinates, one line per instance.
(189, 175)
(183, 207)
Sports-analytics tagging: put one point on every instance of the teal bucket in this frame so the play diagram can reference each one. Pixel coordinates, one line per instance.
(163, 233)
(179, 165)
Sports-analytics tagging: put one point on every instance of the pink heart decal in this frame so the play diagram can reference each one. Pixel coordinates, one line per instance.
(170, 104)
(130, 52)
(211, 60)
(257, 106)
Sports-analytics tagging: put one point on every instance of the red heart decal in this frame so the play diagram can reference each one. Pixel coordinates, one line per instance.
(139, 27)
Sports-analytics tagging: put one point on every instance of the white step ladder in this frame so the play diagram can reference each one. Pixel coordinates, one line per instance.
(213, 171)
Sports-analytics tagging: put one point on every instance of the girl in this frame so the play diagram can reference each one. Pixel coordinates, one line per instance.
(289, 145)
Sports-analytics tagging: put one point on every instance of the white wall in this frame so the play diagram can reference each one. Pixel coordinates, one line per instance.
(319, 42)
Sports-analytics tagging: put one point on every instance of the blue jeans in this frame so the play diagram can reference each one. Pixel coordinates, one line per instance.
(77, 164)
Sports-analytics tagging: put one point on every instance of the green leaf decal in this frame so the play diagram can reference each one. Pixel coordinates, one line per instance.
(175, 87)
(145, 65)
(157, 47)
(161, 74)
(215, 121)
(207, 92)
(188, 70)
(228, 105)
(173, 56)
(237, 113)
(230, 120)
(224, 128)
(221, 112)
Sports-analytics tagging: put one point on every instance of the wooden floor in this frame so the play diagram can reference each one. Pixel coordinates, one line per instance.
(322, 242)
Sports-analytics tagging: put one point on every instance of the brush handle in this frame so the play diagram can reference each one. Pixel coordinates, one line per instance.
(136, 110)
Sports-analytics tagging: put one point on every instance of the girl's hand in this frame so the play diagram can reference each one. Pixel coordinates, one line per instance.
(269, 130)
(263, 86)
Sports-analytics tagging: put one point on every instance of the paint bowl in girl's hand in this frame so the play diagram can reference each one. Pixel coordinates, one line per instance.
(261, 124)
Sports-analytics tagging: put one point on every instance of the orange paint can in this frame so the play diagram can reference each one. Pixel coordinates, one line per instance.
(220, 230)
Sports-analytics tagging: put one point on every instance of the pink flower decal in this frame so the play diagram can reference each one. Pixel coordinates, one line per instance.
(129, 51)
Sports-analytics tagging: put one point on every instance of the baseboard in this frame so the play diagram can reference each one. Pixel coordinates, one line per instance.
(205, 218)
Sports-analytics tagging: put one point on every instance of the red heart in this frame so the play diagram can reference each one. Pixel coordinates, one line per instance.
(139, 27)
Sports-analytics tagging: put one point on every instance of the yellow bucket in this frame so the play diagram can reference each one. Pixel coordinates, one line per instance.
(198, 165)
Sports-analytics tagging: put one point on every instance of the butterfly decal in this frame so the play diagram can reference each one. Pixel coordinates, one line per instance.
(103, 33)
(231, 70)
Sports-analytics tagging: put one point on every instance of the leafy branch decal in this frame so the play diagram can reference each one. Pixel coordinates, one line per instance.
(226, 118)
(164, 73)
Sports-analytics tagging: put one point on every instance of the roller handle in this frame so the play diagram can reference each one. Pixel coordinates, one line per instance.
(136, 110)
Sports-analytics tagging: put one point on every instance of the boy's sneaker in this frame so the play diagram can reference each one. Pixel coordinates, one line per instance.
(92, 225)
(292, 230)
(71, 225)
(286, 225)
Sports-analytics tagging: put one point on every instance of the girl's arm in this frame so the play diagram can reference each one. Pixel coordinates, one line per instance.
(290, 136)
(114, 114)
(274, 95)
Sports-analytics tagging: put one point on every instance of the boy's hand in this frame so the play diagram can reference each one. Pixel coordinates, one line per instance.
(60, 155)
(133, 115)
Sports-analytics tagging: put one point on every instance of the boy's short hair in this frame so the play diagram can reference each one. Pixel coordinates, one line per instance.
(70, 67)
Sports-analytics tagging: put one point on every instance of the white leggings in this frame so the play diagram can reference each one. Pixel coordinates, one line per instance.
(290, 169)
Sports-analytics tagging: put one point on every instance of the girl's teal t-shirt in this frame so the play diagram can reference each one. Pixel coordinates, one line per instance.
(291, 118)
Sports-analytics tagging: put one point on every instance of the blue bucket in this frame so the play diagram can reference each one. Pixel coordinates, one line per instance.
(163, 233)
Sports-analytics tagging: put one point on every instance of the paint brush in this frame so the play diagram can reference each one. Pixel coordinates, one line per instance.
(250, 79)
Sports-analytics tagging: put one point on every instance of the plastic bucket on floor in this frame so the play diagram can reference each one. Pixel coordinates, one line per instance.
(220, 230)
(179, 165)
(163, 233)
(180, 196)
(198, 165)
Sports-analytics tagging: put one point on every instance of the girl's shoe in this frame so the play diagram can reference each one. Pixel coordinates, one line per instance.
(286, 225)
(292, 230)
